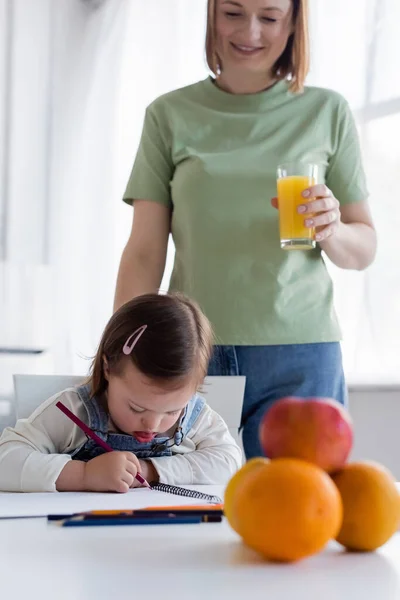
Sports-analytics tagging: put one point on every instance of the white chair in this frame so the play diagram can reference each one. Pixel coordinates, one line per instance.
(32, 390)
(223, 394)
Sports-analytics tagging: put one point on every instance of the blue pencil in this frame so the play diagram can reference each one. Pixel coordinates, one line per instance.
(81, 522)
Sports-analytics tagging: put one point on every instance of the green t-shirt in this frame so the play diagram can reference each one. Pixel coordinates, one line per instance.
(212, 156)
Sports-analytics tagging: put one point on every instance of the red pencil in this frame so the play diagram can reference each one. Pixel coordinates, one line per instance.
(94, 436)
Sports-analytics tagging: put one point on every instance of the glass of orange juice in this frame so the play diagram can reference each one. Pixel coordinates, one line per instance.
(292, 179)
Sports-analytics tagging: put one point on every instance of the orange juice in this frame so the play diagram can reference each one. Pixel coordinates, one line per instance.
(293, 233)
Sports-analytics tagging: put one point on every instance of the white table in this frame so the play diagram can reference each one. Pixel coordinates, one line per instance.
(207, 561)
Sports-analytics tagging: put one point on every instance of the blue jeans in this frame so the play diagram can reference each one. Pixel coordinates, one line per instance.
(273, 372)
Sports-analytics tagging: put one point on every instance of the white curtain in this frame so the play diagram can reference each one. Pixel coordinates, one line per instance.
(355, 49)
(164, 50)
(79, 120)
(86, 78)
(60, 66)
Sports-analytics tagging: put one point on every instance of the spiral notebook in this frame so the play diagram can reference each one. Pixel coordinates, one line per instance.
(180, 491)
(43, 504)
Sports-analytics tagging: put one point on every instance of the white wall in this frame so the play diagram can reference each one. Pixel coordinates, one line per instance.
(376, 415)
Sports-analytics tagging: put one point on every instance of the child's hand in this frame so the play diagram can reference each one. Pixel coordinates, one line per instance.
(111, 472)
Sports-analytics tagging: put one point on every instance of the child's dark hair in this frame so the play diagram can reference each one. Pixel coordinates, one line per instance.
(175, 347)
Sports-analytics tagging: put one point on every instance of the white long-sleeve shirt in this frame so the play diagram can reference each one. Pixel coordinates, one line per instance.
(35, 451)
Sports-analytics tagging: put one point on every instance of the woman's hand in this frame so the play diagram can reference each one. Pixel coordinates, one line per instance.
(347, 235)
(322, 212)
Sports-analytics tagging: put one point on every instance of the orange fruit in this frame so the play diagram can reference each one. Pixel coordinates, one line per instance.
(371, 505)
(234, 483)
(287, 509)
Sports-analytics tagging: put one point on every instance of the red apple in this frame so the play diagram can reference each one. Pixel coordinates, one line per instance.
(318, 430)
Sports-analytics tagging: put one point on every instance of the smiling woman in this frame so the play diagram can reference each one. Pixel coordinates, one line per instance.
(272, 37)
(206, 172)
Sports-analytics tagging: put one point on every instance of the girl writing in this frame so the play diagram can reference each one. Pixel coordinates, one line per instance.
(141, 400)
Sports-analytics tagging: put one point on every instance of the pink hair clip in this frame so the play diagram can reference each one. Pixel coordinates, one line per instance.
(129, 345)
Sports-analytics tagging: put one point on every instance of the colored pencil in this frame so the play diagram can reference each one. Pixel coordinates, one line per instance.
(94, 436)
(161, 520)
(150, 513)
(137, 514)
(189, 507)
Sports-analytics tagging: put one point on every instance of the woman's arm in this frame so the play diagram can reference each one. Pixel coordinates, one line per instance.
(346, 232)
(143, 259)
(344, 227)
(354, 244)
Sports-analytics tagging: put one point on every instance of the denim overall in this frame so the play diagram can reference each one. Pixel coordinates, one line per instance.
(161, 445)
